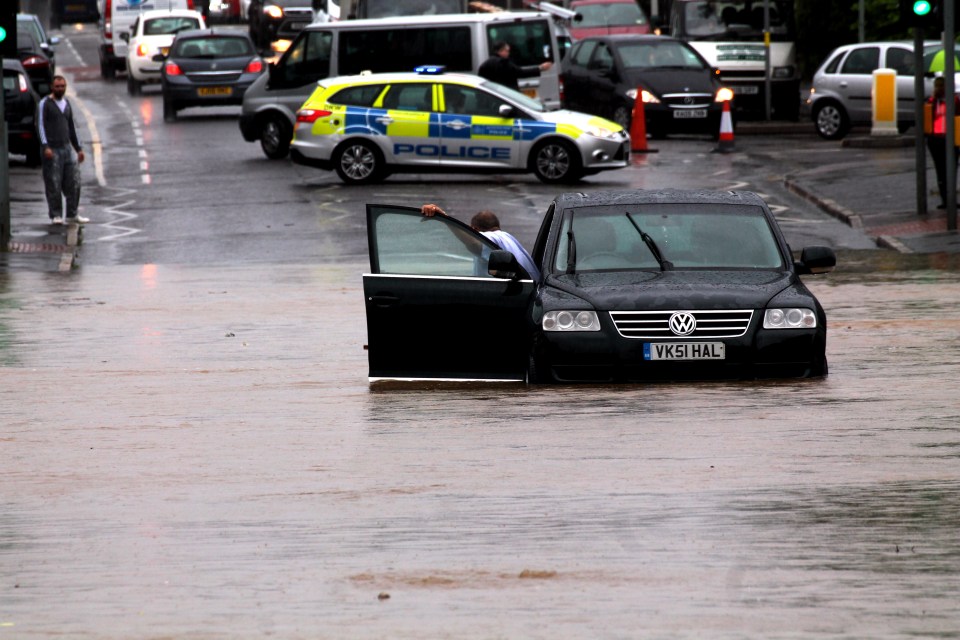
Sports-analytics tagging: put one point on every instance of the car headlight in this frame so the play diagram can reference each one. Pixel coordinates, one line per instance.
(600, 132)
(789, 319)
(783, 72)
(648, 97)
(724, 94)
(631, 93)
(571, 321)
(273, 11)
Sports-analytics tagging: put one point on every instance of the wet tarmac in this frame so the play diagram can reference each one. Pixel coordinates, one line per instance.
(196, 453)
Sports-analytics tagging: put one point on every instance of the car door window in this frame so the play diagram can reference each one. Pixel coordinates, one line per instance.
(901, 61)
(862, 61)
(602, 58)
(409, 97)
(417, 245)
(470, 101)
(581, 57)
(834, 64)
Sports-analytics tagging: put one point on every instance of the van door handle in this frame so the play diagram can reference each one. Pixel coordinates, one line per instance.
(843, 85)
(383, 301)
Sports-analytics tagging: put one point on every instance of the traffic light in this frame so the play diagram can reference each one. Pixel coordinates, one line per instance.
(8, 29)
(922, 13)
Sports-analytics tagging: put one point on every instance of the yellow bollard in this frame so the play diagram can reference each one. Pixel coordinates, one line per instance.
(884, 98)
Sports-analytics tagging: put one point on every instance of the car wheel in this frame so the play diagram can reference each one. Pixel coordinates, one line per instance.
(820, 368)
(107, 72)
(622, 116)
(169, 110)
(275, 136)
(133, 86)
(831, 121)
(33, 156)
(358, 162)
(538, 371)
(556, 161)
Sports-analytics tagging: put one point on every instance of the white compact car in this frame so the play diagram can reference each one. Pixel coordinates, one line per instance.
(151, 34)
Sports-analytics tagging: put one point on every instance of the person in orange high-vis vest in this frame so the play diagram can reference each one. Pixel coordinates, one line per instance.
(937, 137)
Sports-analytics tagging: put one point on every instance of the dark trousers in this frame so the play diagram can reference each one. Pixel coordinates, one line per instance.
(61, 177)
(938, 149)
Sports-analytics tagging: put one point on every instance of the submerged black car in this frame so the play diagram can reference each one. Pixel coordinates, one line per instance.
(603, 75)
(207, 67)
(634, 285)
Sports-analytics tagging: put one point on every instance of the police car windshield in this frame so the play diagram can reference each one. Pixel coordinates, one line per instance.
(523, 100)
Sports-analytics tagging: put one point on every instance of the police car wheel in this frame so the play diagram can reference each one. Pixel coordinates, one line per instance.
(556, 161)
(358, 162)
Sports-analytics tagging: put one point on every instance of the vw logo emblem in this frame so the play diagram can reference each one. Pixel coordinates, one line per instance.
(687, 100)
(683, 323)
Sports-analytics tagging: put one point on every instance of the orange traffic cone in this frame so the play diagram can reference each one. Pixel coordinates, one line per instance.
(638, 127)
(725, 142)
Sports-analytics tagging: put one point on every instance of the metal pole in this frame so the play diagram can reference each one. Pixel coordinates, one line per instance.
(766, 58)
(918, 102)
(4, 181)
(860, 21)
(949, 67)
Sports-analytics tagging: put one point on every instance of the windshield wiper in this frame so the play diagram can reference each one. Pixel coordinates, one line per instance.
(652, 245)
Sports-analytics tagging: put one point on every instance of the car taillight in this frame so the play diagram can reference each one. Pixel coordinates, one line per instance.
(35, 61)
(24, 87)
(142, 50)
(312, 115)
(254, 66)
(172, 69)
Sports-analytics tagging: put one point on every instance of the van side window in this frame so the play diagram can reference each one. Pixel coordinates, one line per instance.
(307, 60)
(381, 50)
(530, 42)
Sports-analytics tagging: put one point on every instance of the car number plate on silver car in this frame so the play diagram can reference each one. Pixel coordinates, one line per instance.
(690, 113)
(684, 351)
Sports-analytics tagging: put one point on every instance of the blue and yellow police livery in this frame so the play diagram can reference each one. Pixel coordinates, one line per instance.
(368, 126)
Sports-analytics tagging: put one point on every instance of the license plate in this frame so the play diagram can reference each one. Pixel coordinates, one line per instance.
(746, 91)
(215, 91)
(297, 26)
(684, 351)
(690, 113)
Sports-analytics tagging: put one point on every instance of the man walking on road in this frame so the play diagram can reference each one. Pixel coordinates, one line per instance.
(500, 68)
(58, 139)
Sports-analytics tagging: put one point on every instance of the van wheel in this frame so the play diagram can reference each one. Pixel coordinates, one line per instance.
(34, 158)
(556, 161)
(830, 120)
(275, 136)
(358, 162)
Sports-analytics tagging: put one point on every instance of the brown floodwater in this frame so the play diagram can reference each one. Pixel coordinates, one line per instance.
(197, 453)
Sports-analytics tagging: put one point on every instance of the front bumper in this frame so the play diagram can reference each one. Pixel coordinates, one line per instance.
(185, 93)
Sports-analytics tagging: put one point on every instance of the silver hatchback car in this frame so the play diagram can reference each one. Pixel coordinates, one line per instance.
(840, 95)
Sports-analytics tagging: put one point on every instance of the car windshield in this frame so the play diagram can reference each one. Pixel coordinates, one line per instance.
(646, 55)
(33, 26)
(167, 25)
(686, 236)
(506, 92)
(212, 47)
(610, 14)
(737, 19)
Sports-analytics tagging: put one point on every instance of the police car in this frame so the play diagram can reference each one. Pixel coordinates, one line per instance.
(366, 127)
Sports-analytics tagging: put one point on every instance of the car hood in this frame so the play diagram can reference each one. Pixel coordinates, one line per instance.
(582, 121)
(681, 289)
(661, 81)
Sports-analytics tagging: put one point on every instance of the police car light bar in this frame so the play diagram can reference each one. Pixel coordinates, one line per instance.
(430, 69)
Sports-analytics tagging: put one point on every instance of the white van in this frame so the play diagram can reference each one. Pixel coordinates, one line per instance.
(116, 17)
(459, 42)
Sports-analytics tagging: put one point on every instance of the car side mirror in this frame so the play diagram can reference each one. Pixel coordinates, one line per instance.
(55, 40)
(815, 260)
(505, 111)
(125, 37)
(503, 264)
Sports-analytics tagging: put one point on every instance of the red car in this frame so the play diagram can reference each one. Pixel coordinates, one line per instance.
(607, 17)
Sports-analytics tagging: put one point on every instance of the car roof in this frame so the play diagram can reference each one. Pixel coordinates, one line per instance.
(446, 18)
(210, 32)
(14, 64)
(374, 78)
(176, 13)
(659, 196)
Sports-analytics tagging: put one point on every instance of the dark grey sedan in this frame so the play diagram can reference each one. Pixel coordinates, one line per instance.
(208, 67)
(605, 75)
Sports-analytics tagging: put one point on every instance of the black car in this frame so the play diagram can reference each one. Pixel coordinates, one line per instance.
(271, 20)
(207, 67)
(634, 285)
(32, 23)
(34, 59)
(680, 92)
(20, 112)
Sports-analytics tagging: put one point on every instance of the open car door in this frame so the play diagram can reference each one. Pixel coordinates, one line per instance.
(433, 310)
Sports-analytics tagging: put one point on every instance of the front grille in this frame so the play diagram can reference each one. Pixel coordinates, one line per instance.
(687, 100)
(656, 324)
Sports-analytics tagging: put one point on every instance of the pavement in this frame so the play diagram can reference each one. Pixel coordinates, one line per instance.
(868, 183)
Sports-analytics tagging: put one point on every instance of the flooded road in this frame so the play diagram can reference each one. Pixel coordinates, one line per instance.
(196, 452)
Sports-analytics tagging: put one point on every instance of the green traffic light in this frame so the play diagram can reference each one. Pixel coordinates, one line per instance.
(3, 34)
(921, 7)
